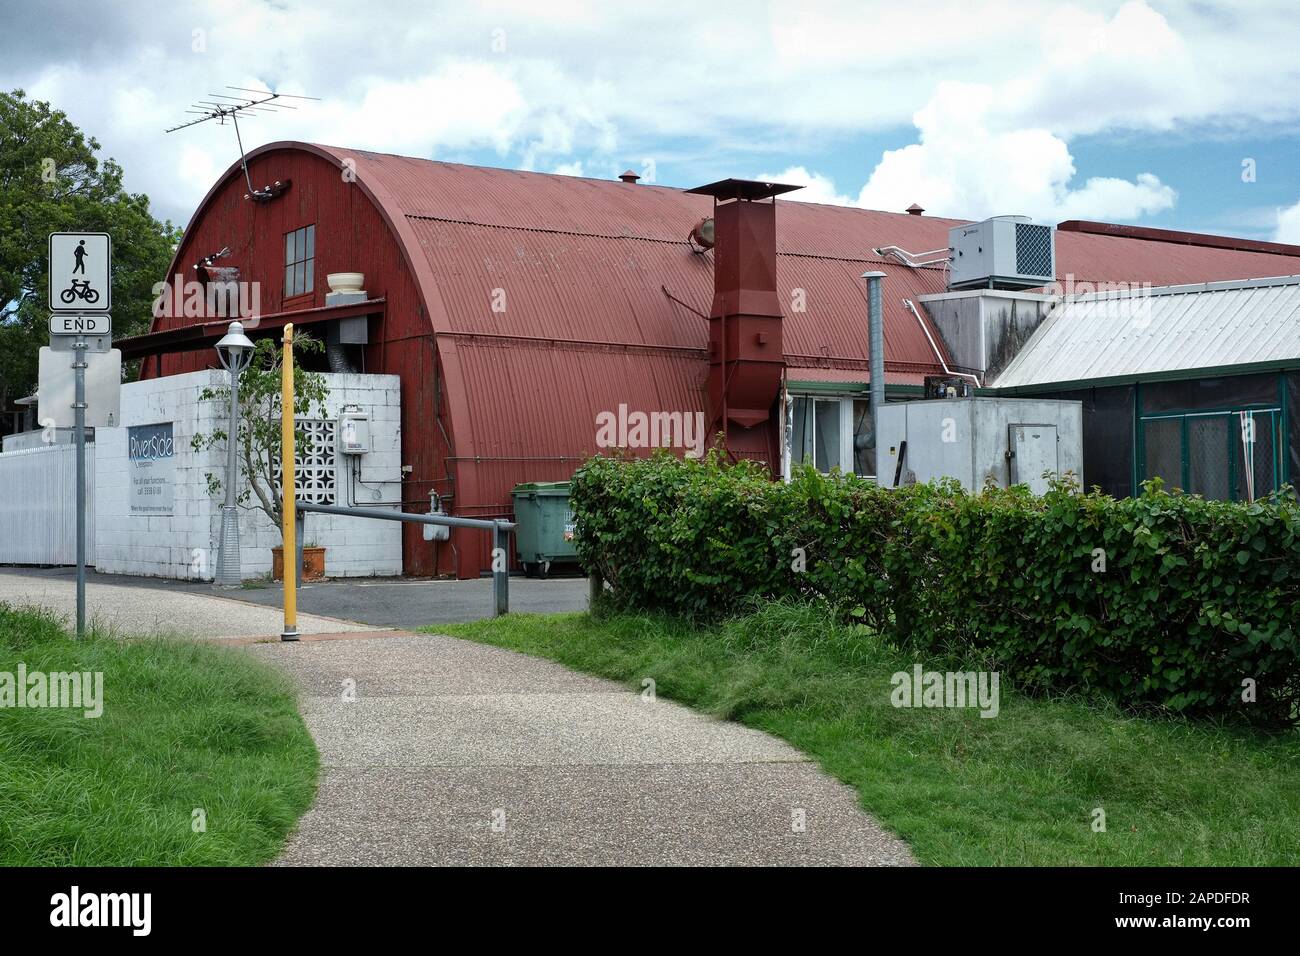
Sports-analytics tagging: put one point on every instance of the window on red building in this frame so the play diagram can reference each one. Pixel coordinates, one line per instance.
(299, 261)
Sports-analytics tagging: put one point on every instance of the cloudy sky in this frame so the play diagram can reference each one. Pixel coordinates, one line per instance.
(1176, 114)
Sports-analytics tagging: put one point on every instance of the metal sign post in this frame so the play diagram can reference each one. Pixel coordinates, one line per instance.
(80, 270)
(79, 411)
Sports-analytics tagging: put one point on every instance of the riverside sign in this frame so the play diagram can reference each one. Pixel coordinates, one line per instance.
(151, 469)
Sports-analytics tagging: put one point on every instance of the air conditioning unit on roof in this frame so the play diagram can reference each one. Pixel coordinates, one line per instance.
(1005, 252)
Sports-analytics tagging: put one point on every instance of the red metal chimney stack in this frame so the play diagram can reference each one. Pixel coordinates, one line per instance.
(746, 359)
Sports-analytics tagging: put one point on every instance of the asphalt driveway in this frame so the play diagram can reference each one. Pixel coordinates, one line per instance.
(406, 603)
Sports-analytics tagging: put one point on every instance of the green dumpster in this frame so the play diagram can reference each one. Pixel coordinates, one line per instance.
(544, 526)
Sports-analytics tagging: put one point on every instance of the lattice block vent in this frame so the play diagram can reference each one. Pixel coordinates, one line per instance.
(314, 460)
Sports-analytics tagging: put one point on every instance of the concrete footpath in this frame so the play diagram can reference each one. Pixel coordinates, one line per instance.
(437, 751)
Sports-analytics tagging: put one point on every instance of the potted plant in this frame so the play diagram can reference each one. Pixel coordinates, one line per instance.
(313, 563)
(259, 436)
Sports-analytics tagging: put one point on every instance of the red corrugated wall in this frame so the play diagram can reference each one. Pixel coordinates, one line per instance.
(351, 236)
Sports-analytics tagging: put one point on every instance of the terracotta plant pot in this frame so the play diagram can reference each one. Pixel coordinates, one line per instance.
(313, 564)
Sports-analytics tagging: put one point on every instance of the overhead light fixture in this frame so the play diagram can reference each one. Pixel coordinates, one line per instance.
(701, 236)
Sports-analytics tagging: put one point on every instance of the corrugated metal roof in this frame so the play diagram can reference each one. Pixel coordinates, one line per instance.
(591, 289)
(589, 261)
(605, 301)
(1138, 333)
(1097, 258)
(609, 208)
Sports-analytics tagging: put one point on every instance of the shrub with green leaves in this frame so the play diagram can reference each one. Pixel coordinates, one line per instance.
(1165, 599)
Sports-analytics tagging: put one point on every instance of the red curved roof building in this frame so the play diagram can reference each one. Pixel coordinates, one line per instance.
(518, 306)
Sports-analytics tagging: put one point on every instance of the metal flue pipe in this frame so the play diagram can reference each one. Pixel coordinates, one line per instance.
(876, 345)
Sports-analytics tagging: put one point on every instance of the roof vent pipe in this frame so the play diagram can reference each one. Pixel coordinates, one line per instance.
(628, 176)
(914, 210)
(876, 346)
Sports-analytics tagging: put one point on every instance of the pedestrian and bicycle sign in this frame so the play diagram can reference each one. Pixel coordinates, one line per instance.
(80, 373)
(79, 272)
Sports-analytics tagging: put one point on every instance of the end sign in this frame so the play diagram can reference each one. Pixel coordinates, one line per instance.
(68, 324)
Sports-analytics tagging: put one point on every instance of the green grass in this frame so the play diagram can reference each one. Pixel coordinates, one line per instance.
(1017, 789)
(185, 726)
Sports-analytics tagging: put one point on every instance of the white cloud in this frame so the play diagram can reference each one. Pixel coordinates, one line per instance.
(459, 104)
(965, 166)
(1110, 198)
(1288, 225)
(544, 85)
(1129, 70)
(816, 188)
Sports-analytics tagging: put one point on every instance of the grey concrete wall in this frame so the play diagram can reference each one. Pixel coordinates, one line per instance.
(984, 330)
(968, 439)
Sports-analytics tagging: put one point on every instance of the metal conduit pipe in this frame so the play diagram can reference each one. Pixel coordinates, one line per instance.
(876, 348)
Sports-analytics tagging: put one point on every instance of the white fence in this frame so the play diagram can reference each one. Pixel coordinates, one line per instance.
(38, 505)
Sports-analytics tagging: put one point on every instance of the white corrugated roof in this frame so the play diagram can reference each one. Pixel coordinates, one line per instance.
(1173, 328)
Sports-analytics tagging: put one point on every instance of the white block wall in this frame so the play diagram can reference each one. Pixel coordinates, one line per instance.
(183, 545)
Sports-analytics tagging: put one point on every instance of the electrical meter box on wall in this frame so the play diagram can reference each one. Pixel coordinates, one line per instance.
(1009, 441)
(354, 432)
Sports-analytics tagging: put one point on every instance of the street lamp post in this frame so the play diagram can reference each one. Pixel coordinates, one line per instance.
(236, 352)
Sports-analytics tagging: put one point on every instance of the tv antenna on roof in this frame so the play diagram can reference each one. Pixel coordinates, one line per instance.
(249, 103)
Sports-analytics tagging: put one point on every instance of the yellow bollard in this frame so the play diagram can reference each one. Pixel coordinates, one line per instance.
(288, 506)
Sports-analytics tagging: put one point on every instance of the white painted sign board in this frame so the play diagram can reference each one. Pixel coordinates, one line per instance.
(65, 323)
(54, 393)
(80, 270)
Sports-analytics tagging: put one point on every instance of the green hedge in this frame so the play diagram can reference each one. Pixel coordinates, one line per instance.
(1195, 597)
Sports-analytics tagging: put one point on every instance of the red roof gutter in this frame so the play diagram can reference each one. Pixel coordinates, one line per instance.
(1181, 238)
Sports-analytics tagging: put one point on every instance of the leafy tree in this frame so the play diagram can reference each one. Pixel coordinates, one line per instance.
(259, 423)
(51, 180)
